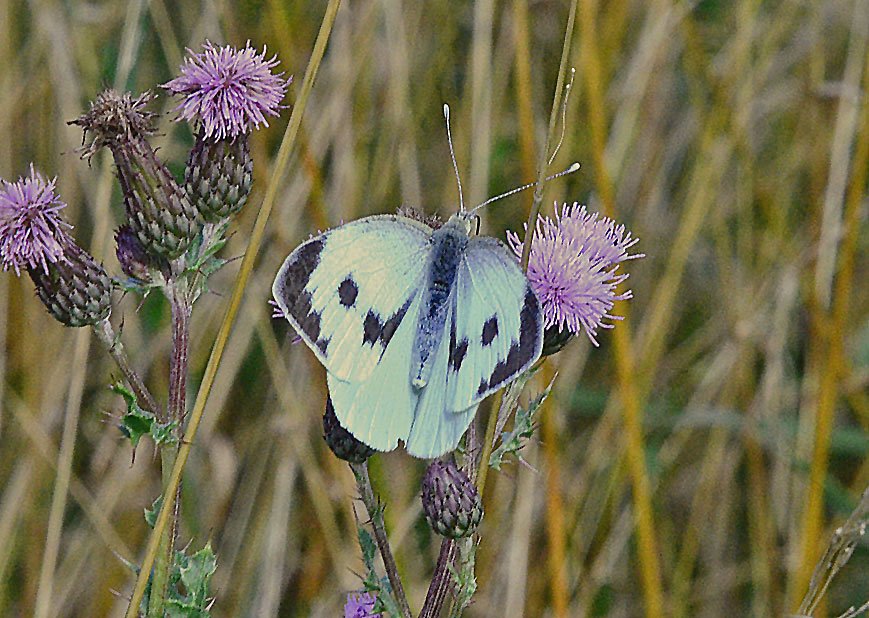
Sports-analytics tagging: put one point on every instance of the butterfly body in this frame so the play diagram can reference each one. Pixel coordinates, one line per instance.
(415, 326)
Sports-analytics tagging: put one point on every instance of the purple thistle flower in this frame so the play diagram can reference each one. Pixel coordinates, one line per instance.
(31, 229)
(360, 605)
(227, 90)
(572, 268)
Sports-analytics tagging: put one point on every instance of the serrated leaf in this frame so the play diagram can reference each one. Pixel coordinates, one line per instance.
(368, 546)
(138, 422)
(385, 601)
(152, 513)
(175, 608)
(523, 429)
(196, 573)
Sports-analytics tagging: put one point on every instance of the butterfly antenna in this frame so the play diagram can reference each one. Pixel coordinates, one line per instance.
(453, 157)
(563, 115)
(573, 167)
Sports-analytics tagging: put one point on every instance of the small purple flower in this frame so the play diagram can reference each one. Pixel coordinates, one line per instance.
(572, 268)
(31, 229)
(360, 605)
(227, 90)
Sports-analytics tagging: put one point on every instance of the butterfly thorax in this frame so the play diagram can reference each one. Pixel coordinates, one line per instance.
(448, 249)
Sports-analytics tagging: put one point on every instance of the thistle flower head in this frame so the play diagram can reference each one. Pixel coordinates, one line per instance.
(572, 268)
(360, 605)
(31, 229)
(227, 90)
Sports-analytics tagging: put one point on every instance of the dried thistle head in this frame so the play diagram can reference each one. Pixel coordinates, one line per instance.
(115, 119)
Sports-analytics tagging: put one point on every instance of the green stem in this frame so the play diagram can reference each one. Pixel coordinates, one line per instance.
(375, 514)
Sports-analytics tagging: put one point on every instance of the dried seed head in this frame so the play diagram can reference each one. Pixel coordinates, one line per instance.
(158, 210)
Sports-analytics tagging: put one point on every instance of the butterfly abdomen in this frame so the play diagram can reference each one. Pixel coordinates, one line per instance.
(448, 249)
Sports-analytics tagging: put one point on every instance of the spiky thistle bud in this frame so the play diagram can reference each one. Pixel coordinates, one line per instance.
(134, 260)
(554, 339)
(158, 210)
(226, 92)
(33, 236)
(76, 290)
(218, 176)
(450, 501)
(341, 441)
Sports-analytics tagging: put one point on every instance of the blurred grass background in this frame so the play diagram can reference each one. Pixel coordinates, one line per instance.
(730, 136)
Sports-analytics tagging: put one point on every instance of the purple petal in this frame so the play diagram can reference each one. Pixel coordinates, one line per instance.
(572, 268)
(228, 90)
(31, 229)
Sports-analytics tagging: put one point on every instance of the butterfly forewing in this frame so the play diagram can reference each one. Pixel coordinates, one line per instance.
(498, 328)
(347, 291)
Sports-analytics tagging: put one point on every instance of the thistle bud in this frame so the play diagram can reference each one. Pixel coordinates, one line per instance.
(450, 502)
(134, 260)
(75, 290)
(219, 175)
(554, 339)
(341, 441)
(158, 210)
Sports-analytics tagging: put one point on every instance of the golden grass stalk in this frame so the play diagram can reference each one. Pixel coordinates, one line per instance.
(624, 354)
(834, 326)
(256, 236)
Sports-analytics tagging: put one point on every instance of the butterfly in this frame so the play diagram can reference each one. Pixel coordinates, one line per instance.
(414, 325)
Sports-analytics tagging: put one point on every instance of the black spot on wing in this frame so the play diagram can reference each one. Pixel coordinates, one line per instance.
(392, 323)
(347, 292)
(371, 328)
(308, 319)
(291, 288)
(490, 330)
(458, 351)
(323, 344)
(374, 330)
(523, 352)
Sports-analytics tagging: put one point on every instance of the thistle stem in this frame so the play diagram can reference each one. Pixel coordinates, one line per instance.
(440, 581)
(375, 514)
(254, 243)
(179, 301)
(106, 334)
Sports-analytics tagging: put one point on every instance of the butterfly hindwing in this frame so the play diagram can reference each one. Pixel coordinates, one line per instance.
(437, 428)
(497, 332)
(347, 291)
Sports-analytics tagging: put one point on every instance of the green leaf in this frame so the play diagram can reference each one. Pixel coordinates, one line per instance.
(523, 429)
(138, 422)
(369, 548)
(152, 513)
(196, 573)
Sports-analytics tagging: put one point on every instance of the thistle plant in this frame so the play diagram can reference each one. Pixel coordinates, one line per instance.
(168, 243)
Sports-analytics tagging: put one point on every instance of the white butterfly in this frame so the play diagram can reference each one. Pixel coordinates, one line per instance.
(415, 326)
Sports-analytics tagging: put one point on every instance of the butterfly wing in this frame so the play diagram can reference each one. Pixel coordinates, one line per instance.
(497, 332)
(348, 291)
(436, 428)
(380, 410)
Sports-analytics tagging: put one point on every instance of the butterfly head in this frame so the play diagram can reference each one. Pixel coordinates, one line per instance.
(465, 220)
